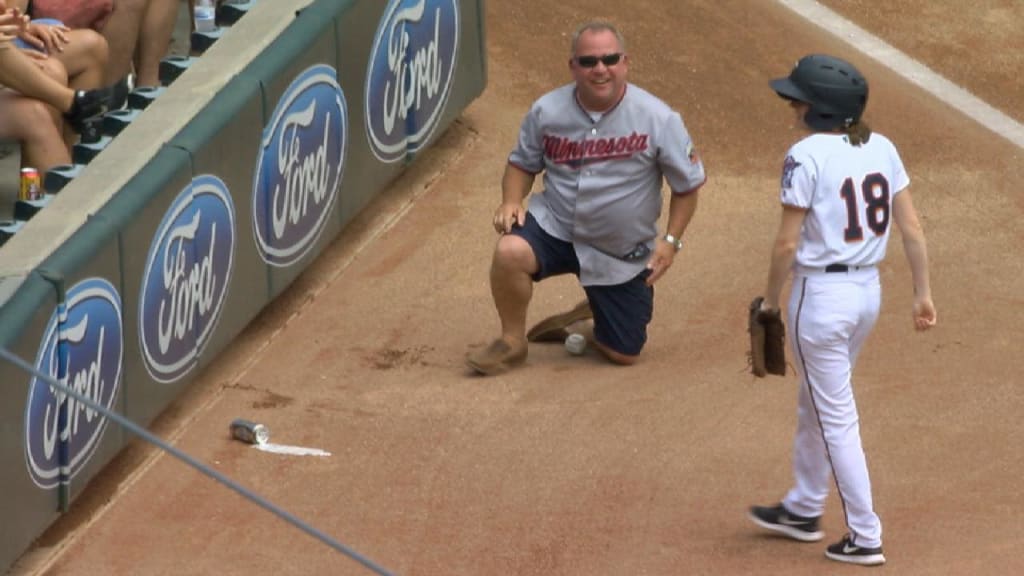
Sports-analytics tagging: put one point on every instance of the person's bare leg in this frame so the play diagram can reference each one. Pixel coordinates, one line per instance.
(55, 70)
(154, 40)
(612, 355)
(85, 58)
(21, 73)
(122, 34)
(512, 268)
(512, 286)
(30, 121)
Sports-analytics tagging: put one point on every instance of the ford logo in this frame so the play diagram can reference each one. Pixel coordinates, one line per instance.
(410, 75)
(299, 169)
(188, 270)
(95, 352)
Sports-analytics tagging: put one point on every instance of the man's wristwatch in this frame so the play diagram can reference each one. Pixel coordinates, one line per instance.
(677, 243)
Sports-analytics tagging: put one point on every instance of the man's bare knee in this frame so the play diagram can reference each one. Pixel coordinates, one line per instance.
(514, 253)
(623, 360)
(617, 357)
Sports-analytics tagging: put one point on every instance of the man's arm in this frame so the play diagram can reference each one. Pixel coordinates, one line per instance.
(681, 208)
(516, 184)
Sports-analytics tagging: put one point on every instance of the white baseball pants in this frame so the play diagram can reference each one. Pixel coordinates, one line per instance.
(830, 316)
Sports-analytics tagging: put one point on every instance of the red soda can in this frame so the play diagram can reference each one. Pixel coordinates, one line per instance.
(31, 185)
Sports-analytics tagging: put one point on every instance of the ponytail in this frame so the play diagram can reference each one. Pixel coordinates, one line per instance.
(857, 132)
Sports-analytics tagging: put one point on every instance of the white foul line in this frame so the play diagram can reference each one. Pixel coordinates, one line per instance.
(912, 70)
(291, 450)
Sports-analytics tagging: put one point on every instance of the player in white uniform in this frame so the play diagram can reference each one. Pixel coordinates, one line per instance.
(842, 188)
(605, 148)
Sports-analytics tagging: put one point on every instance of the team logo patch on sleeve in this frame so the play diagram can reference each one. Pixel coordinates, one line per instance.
(788, 166)
(691, 153)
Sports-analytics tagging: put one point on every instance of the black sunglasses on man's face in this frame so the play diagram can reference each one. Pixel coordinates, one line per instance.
(591, 61)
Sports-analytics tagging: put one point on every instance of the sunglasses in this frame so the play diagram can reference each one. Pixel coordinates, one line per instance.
(591, 61)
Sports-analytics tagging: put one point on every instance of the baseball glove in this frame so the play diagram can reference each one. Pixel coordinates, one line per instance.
(767, 340)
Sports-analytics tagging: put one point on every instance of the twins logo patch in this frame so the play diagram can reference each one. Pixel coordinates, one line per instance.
(302, 157)
(691, 153)
(94, 351)
(788, 166)
(410, 74)
(188, 270)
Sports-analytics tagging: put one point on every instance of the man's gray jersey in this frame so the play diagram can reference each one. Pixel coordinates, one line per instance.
(603, 176)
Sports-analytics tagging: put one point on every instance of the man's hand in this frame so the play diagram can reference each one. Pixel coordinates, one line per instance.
(661, 260)
(507, 216)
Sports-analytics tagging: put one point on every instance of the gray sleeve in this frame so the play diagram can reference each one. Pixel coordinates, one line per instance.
(678, 158)
(529, 151)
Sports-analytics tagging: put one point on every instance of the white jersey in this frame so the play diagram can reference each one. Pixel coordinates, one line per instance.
(848, 192)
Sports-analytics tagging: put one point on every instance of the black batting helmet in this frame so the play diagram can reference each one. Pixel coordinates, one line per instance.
(836, 91)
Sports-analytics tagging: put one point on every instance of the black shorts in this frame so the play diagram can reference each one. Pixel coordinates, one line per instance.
(621, 311)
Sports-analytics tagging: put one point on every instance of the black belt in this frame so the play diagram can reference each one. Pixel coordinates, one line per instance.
(840, 268)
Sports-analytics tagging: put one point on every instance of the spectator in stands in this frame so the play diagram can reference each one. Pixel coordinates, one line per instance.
(138, 32)
(82, 51)
(74, 14)
(32, 122)
(37, 76)
(35, 101)
(145, 28)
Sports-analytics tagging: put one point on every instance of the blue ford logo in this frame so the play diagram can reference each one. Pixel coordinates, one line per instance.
(95, 352)
(410, 74)
(301, 160)
(188, 270)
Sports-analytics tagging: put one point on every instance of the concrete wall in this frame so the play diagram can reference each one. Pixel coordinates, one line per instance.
(204, 209)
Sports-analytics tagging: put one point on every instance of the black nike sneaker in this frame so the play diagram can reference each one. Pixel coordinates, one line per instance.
(86, 105)
(847, 551)
(778, 519)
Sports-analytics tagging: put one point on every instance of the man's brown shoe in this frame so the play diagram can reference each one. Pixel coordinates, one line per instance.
(555, 328)
(496, 358)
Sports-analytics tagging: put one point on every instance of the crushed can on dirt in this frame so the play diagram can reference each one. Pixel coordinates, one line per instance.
(249, 432)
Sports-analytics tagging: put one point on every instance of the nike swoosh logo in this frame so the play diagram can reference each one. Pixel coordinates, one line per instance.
(785, 520)
(847, 549)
